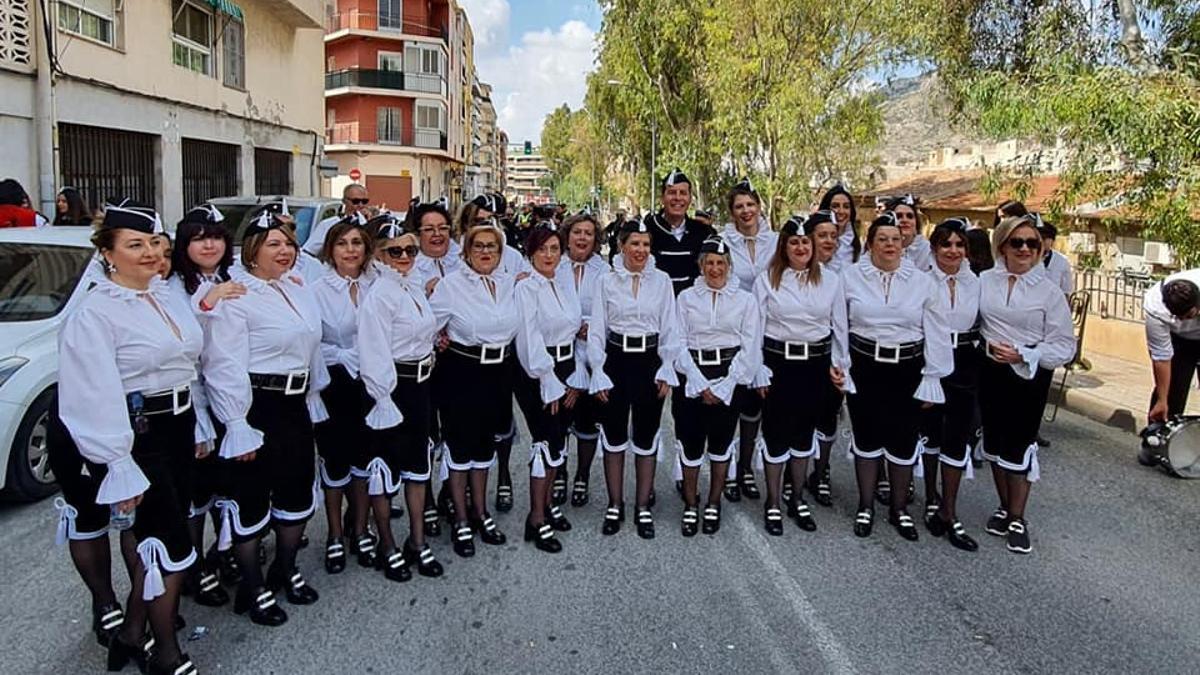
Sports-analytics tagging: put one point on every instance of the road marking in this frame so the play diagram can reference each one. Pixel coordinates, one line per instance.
(831, 649)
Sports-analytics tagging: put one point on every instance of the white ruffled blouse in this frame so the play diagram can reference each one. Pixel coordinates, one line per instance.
(711, 318)
(616, 309)
(550, 317)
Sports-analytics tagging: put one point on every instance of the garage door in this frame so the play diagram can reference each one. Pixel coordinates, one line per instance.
(393, 192)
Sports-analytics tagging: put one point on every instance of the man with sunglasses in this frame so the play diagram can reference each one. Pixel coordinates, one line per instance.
(354, 200)
(1172, 309)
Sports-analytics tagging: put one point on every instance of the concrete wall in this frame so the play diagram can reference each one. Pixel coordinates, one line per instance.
(1122, 339)
(427, 172)
(17, 131)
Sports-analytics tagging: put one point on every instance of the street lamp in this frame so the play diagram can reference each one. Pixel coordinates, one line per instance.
(653, 145)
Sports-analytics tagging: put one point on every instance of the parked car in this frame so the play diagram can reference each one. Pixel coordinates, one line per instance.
(308, 211)
(40, 273)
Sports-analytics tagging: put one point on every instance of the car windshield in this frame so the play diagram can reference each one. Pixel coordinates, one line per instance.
(36, 280)
(240, 214)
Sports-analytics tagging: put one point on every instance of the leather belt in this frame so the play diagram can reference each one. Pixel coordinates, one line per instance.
(487, 355)
(175, 401)
(562, 353)
(415, 370)
(798, 351)
(634, 344)
(964, 338)
(887, 353)
(714, 357)
(291, 384)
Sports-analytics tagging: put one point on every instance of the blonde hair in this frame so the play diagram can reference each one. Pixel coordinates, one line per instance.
(1005, 229)
(473, 233)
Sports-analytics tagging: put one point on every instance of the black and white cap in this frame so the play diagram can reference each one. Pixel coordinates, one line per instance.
(205, 214)
(130, 216)
(486, 202)
(714, 245)
(356, 219)
(819, 218)
(794, 226)
(957, 224)
(386, 226)
(634, 226)
(676, 177)
(745, 184)
(268, 219)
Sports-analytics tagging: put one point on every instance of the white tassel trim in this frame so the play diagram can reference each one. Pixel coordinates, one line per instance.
(156, 560)
(537, 459)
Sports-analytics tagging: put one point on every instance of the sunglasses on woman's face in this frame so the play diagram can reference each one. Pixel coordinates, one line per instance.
(401, 251)
(1032, 243)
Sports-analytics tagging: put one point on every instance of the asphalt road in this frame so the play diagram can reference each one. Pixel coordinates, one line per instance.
(1112, 586)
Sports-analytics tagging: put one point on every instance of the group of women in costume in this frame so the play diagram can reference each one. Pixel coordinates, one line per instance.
(204, 395)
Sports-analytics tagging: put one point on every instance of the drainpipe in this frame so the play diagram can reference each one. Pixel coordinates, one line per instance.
(44, 133)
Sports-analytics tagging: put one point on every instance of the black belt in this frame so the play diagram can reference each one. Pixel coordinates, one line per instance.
(174, 401)
(798, 351)
(887, 353)
(714, 357)
(485, 354)
(634, 344)
(415, 370)
(964, 338)
(562, 353)
(290, 384)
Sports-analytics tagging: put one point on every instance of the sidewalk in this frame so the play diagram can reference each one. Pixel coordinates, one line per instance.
(1114, 392)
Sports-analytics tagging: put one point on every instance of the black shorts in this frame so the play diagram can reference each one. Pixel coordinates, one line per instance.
(1011, 410)
(702, 429)
(475, 401)
(342, 440)
(547, 432)
(401, 453)
(884, 414)
(949, 429)
(80, 517)
(800, 394)
(633, 397)
(747, 403)
(280, 482)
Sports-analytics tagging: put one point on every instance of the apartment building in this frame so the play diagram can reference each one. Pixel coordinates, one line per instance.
(526, 175)
(168, 102)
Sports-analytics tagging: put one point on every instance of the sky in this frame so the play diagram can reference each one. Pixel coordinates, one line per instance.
(536, 54)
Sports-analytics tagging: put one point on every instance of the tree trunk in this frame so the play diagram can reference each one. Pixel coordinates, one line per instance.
(1131, 37)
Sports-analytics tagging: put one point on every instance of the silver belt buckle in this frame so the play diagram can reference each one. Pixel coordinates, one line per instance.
(486, 360)
(790, 355)
(564, 352)
(177, 393)
(714, 361)
(424, 368)
(954, 338)
(290, 388)
(894, 358)
(641, 343)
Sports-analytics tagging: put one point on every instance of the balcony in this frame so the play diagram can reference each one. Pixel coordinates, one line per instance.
(354, 20)
(347, 133)
(423, 83)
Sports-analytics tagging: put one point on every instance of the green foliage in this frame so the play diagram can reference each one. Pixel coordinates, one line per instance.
(576, 155)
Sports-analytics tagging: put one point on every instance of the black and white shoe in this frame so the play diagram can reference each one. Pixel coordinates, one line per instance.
(732, 493)
(106, 622)
(504, 498)
(931, 508)
(579, 492)
(557, 520)
(488, 532)
(1018, 537)
(883, 491)
(395, 567)
(208, 590)
(959, 539)
(864, 520)
(427, 564)
(645, 524)
(261, 605)
(690, 524)
(773, 521)
(712, 519)
(748, 487)
(905, 525)
(464, 540)
(558, 489)
(433, 528)
(997, 524)
(818, 485)
(788, 488)
(182, 666)
(613, 517)
(365, 549)
(335, 556)
(803, 516)
(542, 537)
(294, 587)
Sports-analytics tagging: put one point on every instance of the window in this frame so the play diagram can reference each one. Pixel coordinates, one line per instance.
(90, 18)
(387, 125)
(272, 172)
(391, 14)
(425, 67)
(209, 170)
(430, 116)
(106, 164)
(191, 29)
(391, 61)
(233, 53)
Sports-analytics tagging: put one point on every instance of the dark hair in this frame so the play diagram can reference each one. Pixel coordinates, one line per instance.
(827, 205)
(466, 218)
(896, 202)
(1048, 231)
(739, 190)
(946, 229)
(886, 220)
(339, 230)
(1010, 208)
(1180, 296)
(11, 193)
(77, 211)
(979, 251)
(253, 243)
(538, 236)
(182, 265)
(576, 220)
(412, 220)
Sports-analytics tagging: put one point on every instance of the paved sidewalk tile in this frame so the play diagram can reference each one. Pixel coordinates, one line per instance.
(1115, 392)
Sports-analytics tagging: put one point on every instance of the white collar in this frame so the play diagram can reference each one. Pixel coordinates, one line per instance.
(868, 268)
(157, 288)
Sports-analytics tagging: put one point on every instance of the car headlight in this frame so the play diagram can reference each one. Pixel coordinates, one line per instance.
(9, 366)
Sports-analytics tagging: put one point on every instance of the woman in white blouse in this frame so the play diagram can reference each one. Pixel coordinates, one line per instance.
(948, 430)
(264, 371)
(916, 246)
(550, 322)
(899, 351)
(803, 314)
(1026, 324)
(476, 306)
(632, 344)
(127, 359)
(396, 334)
(581, 268)
(342, 439)
(719, 330)
(838, 201)
(750, 241)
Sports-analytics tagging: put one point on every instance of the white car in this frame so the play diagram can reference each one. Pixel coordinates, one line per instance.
(40, 273)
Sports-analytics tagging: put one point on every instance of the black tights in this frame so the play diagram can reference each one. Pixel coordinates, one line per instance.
(614, 478)
(1013, 490)
(159, 612)
(747, 436)
(867, 472)
(691, 480)
(503, 453)
(93, 561)
(416, 496)
(586, 450)
(287, 542)
(458, 492)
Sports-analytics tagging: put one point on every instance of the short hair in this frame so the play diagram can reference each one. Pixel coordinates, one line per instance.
(473, 233)
(1180, 297)
(1048, 231)
(346, 190)
(886, 220)
(578, 219)
(537, 238)
(253, 244)
(339, 230)
(1005, 230)
(946, 229)
(1010, 208)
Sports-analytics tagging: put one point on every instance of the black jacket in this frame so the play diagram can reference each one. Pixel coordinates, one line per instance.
(677, 257)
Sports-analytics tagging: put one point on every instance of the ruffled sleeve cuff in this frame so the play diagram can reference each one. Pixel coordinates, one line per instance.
(930, 390)
(723, 389)
(124, 480)
(600, 381)
(205, 431)
(667, 374)
(695, 386)
(316, 407)
(552, 389)
(762, 378)
(578, 378)
(240, 439)
(848, 387)
(1028, 367)
(384, 414)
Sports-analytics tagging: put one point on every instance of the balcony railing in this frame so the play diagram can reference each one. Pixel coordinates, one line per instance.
(347, 133)
(356, 20)
(386, 79)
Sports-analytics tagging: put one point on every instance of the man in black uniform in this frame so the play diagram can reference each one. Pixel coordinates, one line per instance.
(675, 238)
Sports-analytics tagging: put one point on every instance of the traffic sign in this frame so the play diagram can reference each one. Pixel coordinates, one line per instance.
(355, 175)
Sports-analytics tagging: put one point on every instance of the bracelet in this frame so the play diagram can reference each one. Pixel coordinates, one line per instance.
(205, 307)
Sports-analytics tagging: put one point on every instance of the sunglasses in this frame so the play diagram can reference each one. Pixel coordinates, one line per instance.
(363, 201)
(1032, 243)
(401, 251)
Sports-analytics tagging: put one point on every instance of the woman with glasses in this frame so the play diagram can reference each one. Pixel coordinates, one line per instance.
(719, 327)
(750, 242)
(476, 305)
(122, 439)
(440, 253)
(342, 439)
(396, 334)
(804, 359)
(948, 430)
(264, 370)
(1026, 326)
(632, 344)
(899, 351)
(550, 322)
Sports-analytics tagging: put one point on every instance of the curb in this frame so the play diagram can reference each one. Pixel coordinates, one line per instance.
(1095, 408)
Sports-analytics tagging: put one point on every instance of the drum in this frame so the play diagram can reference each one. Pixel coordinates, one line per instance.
(1175, 446)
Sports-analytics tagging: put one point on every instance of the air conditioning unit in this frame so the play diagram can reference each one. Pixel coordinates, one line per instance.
(1158, 253)
(1081, 242)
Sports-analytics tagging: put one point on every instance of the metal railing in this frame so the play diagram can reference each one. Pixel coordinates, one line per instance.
(386, 79)
(347, 133)
(1115, 295)
(387, 22)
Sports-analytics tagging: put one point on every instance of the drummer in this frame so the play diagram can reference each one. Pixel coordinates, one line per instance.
(1172, 309)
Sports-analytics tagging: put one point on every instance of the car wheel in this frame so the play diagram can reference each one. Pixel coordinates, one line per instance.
(29, 474)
